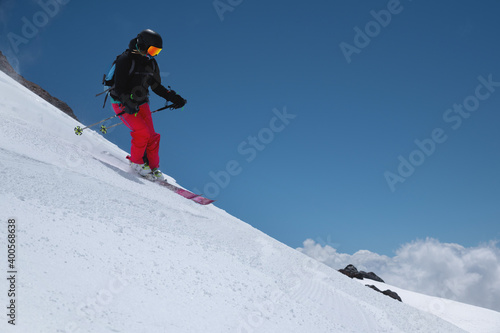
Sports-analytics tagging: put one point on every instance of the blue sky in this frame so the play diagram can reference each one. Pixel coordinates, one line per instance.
(302, 110)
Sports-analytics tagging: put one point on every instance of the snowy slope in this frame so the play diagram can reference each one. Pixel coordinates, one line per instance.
(468, 317)
(99, 250)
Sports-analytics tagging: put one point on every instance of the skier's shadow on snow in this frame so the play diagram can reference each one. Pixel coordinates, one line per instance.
(119, 171)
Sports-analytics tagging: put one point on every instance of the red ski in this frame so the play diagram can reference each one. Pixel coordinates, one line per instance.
(185, 193)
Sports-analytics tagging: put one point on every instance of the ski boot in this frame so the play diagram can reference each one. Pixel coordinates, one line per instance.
(143, 170)
(157, 174)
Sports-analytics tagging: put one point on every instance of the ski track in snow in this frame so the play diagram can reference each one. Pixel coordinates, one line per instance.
(101, 250)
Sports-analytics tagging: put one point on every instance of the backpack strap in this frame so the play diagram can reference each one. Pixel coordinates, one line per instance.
(132, 67)
(105, 91)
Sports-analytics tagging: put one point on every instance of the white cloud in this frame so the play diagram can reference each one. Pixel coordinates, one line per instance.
(469, 275)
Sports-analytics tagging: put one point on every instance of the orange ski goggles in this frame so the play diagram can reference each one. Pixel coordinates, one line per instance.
(153, 51)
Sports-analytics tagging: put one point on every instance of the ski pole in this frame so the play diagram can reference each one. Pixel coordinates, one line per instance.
(104, 129)
(170, 106)
(79, 130)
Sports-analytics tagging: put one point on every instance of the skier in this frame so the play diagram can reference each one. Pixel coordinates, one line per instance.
(135, 72)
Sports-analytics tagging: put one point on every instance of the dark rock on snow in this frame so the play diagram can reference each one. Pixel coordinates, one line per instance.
(353, 272)
(387, 292)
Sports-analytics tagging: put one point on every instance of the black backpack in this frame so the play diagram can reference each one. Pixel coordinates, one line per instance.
(108, 80)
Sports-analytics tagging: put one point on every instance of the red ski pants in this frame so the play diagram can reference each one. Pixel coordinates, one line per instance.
(144, 137)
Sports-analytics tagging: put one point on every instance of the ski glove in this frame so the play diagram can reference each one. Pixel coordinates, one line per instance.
(177, 101)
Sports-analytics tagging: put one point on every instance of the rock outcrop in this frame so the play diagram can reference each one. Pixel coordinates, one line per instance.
(7, 69)
(352, 272)
(387, 292)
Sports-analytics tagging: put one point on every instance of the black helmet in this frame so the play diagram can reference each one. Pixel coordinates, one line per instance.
(147, 38)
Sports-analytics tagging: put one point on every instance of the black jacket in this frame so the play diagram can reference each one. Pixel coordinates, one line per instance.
(134, 75)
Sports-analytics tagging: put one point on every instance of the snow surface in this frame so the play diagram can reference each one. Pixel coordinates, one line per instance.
(99, 250)
(465, 316)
